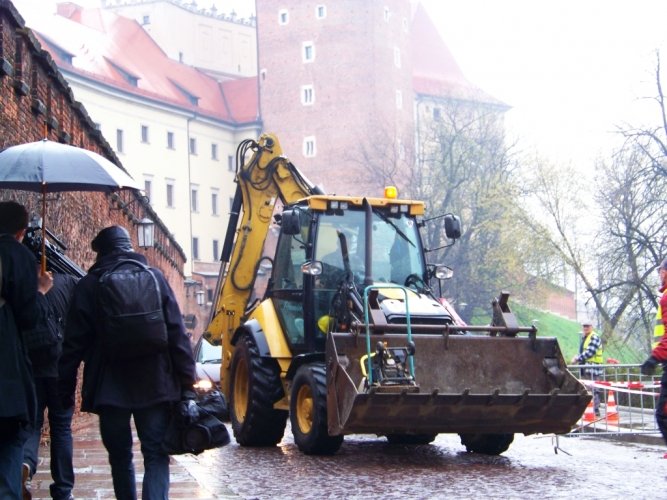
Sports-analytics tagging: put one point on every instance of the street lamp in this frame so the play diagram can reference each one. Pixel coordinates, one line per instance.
(145, 232)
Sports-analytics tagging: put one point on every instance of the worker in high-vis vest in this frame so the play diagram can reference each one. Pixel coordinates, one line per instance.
(590, 354)
(659, 354)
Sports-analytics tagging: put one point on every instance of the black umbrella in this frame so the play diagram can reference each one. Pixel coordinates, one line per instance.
(50, 167)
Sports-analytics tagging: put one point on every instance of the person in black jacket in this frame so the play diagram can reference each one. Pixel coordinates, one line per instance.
(143, 388)
(45, 370)
(21, 291)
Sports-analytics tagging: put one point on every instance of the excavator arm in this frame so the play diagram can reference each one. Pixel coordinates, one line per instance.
(265, 178)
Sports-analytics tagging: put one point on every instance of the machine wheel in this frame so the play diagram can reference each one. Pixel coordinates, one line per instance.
(255, 387)
(308, 412)
(488, 444)
(411, 438)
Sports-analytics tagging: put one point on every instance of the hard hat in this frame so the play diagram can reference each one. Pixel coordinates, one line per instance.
(324, 323)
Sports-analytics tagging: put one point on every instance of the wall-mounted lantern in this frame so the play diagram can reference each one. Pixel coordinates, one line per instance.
(145, 233)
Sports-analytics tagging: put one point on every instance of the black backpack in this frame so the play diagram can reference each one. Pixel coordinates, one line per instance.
(132, 322)
(43, 341)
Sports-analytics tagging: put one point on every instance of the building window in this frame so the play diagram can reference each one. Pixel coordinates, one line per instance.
(216, 250)
(309, 149)
(193, 146)
(397, 57)
(230, 163)
(144, 134)
(320, 12)
(437, 114)
(214, 152)
(214, 203)
(399, 99)
(231, 203)
(195, 248)
(194, 199)
(308, 52)
(386, 14)
(307, 95)
(119, 140)
(170, 194)
(170, 140)
(283, 17)
(146, 19)
(148, 184)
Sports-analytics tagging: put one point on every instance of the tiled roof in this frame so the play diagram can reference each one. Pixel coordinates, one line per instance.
(117, 51)
(435, 71)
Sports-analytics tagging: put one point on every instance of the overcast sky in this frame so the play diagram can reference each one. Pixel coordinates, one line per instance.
(570, 69)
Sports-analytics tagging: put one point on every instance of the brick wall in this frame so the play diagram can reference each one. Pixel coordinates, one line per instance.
(36, 102)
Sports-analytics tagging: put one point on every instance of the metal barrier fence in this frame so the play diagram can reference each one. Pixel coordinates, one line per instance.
(627, 401)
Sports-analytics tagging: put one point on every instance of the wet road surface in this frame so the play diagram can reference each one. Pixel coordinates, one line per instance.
(585, 467)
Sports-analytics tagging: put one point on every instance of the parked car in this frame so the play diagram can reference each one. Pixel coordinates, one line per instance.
(209, 359)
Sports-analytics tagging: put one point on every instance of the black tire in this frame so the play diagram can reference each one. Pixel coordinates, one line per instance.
(410, 438)
(255, 387)
(488, 444)
(308, 412)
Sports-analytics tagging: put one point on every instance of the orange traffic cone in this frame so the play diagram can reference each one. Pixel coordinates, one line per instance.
(589, 413)
(612, 412)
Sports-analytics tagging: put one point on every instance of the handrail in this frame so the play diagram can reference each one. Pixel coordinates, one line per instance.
(368, 327)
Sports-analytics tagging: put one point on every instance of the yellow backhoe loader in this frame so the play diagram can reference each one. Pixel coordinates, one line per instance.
(325, 316)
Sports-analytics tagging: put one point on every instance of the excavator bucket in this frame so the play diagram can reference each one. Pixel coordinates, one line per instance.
(450, 384)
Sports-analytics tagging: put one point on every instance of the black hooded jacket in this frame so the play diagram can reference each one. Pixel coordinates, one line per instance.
(131, 384)
(19, 304)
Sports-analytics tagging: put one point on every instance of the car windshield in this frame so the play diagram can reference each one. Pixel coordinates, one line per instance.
(396, 247)
(208, 353)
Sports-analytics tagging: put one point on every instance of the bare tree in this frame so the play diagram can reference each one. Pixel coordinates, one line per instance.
(463, 166)
(651, 141)
(616, 261)
(632, 241)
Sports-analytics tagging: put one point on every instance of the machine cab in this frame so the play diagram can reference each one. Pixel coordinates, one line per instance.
(322, 253)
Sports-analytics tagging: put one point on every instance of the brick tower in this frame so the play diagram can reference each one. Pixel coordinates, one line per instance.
(336, 86)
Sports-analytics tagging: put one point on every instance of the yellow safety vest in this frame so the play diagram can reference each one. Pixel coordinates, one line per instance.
(597, 359)
(658, 329)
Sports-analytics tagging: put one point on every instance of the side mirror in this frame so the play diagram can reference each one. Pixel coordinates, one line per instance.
(452, 226)
(291, 222)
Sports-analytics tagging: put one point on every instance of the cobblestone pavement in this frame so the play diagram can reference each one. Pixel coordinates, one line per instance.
(93, 473)
(366, 466)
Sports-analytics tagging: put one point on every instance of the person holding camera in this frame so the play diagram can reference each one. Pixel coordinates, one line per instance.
(125, 323)
(22, 294)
